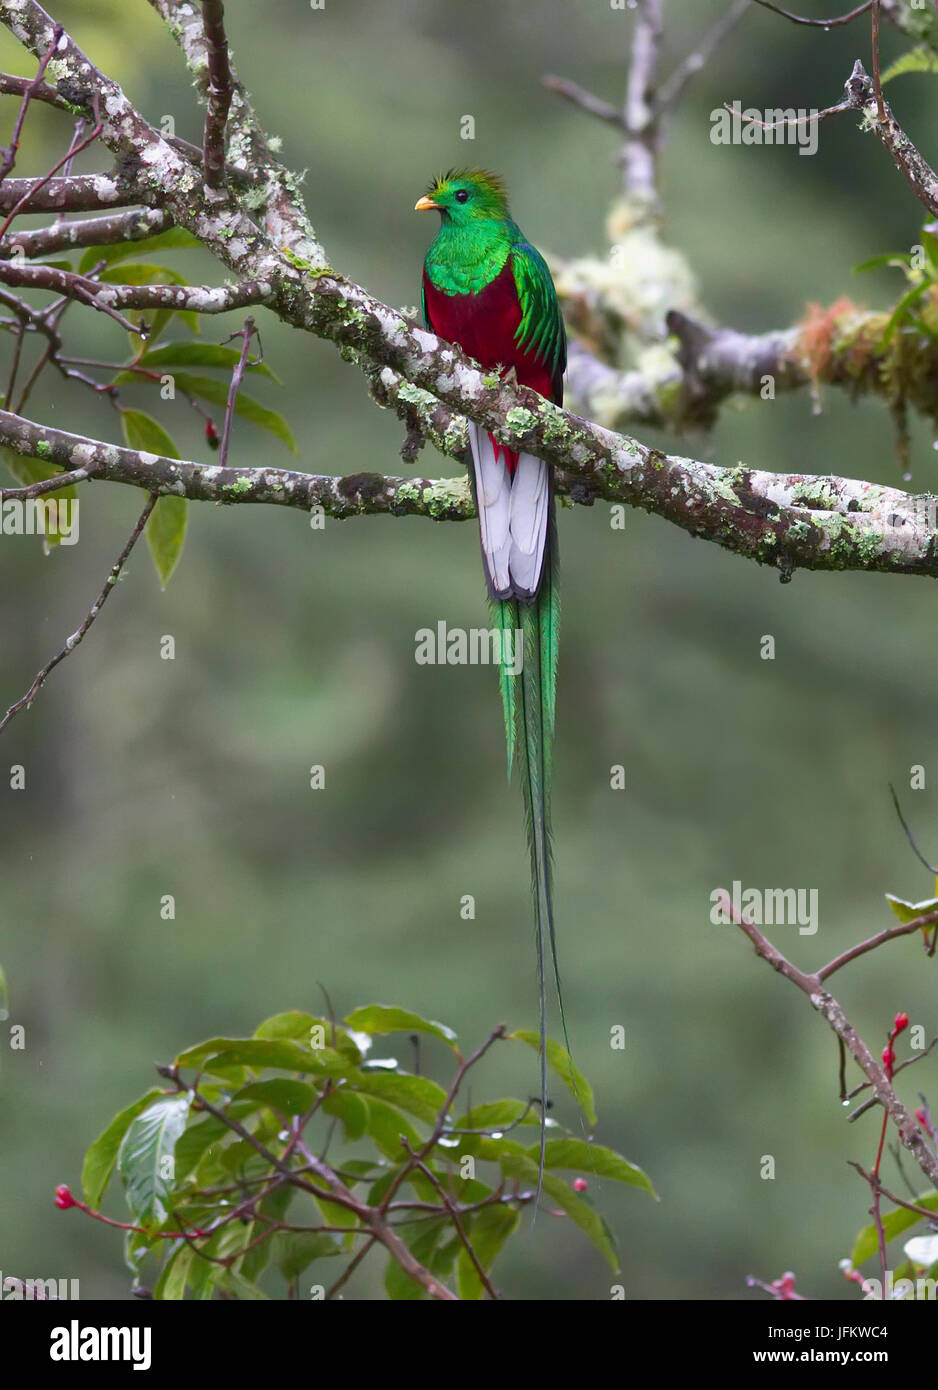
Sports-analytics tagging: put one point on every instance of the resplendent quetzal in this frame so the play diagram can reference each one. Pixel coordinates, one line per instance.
(490, 291)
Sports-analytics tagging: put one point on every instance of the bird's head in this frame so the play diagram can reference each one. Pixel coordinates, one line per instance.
(464, 196)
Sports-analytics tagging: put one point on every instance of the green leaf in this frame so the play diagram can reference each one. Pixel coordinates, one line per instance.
(907, 912)
(901, 311)
(220, 1053)
(217, 392)
(516, 1162)
(142, 275)
(195, 1142)
(487, 1232)
(137, 1246)
(281, 1093)
(166, 533)
(146, 1158)
(166, 528)
(380, 1019)
(560, 1062)
(444, 1257)
(171, 1284)
(351, 1109)
(162, 241)
(202, 1278)
(894, 1223)
(28, 470)
(236, 1283)
(300, 1027)
(200, 355)
(416, 1095)
(361, 1168)
(916, 60)
(156, 321)
(497, 1115)
(875, 262)
(102, 1156)
(294, 1251)
(591, 1158)
(386, 1126)
(421, 1239)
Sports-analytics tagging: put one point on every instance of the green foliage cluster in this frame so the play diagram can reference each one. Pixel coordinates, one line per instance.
(269, 1154)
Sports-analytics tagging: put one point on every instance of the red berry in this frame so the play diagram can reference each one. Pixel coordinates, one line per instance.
(63, 1197)
(211, 434)
(900, 1025)
(579, 1184)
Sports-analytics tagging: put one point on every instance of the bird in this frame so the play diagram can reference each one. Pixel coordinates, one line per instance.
(487, 289)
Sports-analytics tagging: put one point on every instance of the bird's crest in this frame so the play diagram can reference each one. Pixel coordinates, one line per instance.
(489, 187)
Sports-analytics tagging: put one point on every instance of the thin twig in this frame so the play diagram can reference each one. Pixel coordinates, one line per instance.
(888, 934)
(877, 85)
(44, 485)
(908, 833)
(454, 1217)
(440, 1127)
(72, 642)
(37, 184)
(586, 101)
(830, 1010)
(245, 334)
(671, 90)
(9, 156)
(891, 1196)
(816, 23)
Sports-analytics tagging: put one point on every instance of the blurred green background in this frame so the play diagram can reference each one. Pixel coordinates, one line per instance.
(147, 777)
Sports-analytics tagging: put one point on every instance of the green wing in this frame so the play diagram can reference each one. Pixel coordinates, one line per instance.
(541, 329)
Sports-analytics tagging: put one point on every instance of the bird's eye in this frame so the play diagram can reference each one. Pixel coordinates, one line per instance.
(462, 196)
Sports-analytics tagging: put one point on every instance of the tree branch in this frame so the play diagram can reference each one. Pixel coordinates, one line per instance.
(827, 1006)
(200, 299)
(73, 192)
(640, 115)
(92, 231)
(219, 90)
(787, 520)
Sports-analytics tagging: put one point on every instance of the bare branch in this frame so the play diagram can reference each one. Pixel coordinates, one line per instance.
(38, 184)
(916, 170)
(442, 499)
(29, 91)
(671, 90)
(640, 153)
(237, 376)
(72, 642)
(14, 86)
(92, 231)
(219, 92)
(75, 193)
(827, 1006)
(817, 23)
(200, 299)
(586, 101)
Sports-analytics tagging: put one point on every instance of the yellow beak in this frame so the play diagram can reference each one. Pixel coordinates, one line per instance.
(425, 204)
